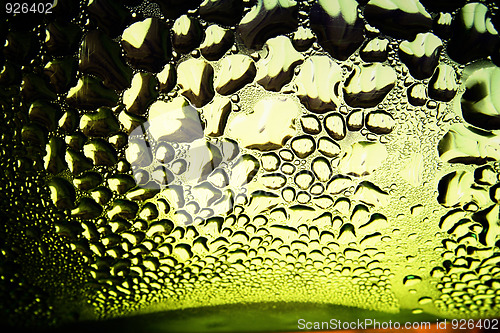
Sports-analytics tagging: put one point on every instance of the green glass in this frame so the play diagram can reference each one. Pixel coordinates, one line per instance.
(253, 165)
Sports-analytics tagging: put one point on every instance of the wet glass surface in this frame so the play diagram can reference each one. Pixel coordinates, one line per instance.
(186, 162)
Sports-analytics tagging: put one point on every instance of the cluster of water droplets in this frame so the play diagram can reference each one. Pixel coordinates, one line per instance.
(177, 153)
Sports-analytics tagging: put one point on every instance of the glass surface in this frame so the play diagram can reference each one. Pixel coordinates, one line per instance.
(253, 165)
